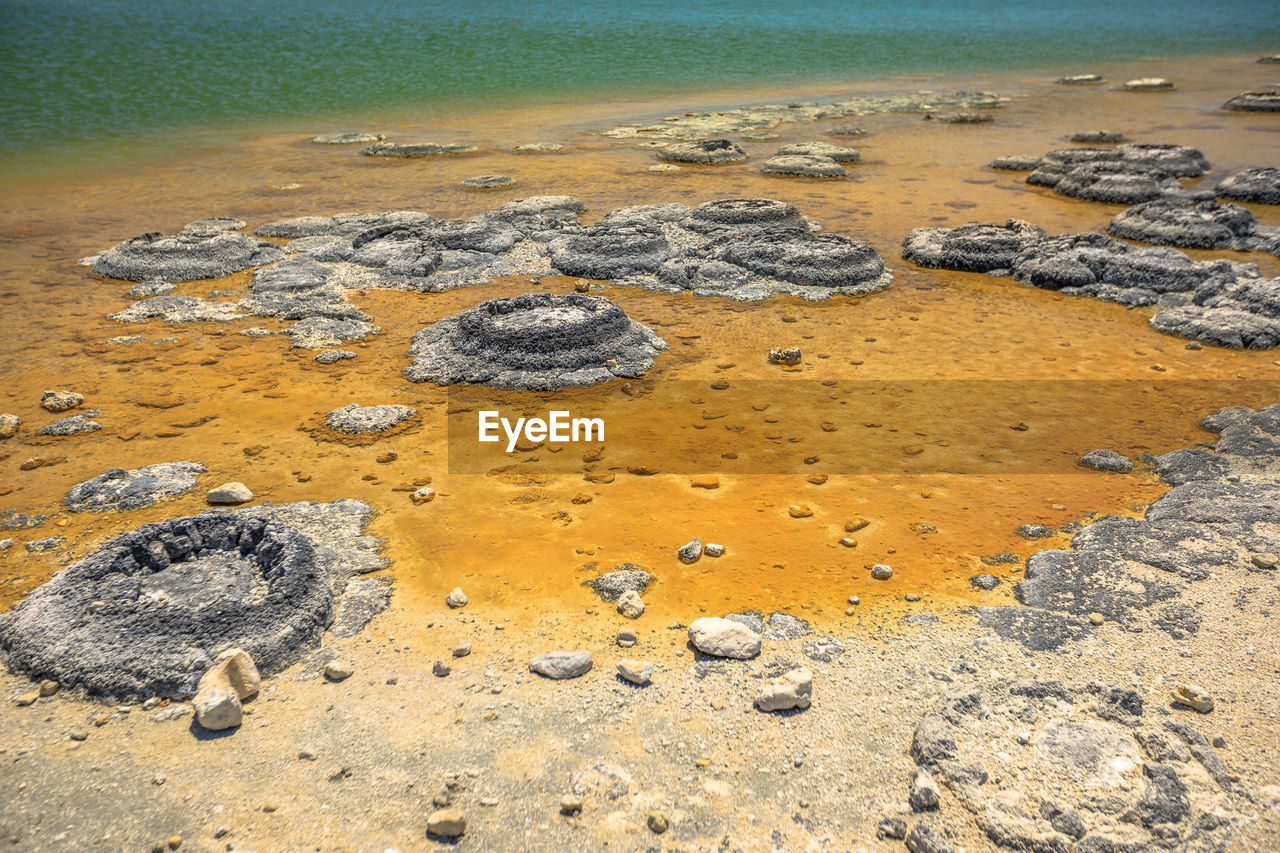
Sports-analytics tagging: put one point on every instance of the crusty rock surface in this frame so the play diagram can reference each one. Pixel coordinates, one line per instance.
(976, 247)
(1259, 186)
(1264, 101)
(538, 341)
(185, 256)
(122, 490)
(706, 151)
(1195, 225)
(355, 419)
(803, 165)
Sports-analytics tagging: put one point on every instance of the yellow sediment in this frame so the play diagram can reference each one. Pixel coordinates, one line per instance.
(250, 408)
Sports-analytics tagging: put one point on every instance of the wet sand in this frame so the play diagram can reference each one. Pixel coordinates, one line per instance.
(517, 541)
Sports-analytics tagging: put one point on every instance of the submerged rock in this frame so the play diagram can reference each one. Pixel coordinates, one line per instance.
(489, 182)
(416, 149)
(1015, 163)
(1147, 84)
(804, 165)
(1080, 80)
(534, 342)
(1260, 186)
(123, 490)
(144, 614)
(1107, 460)
(1097, 136)
(349, 138)
(707, 151)
(838, 153)
(1258, 102)
(178, 309)
(962, 117)
(186, 256)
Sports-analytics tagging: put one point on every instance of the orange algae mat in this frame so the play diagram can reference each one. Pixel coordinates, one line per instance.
(937, 461)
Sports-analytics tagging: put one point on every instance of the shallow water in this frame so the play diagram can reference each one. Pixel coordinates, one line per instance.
(250, 408)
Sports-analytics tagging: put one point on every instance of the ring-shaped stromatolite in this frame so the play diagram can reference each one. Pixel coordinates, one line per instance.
(744, 215)
(185, 256)
(816, 260)
(145, 614)
(610, 251)
(975, 247)
(537, 341)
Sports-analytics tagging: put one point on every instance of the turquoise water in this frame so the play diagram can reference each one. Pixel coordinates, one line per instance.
(112, 69)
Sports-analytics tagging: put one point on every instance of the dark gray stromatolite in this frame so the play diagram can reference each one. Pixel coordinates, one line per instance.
(976, 247)
(610, 251)
(1195, 225)
(744, 216)
(1255, 102)
(1124, 174)
(538, 341)
(706, 151)
(205, 252)
(839, 153)
(627, 577)
(1260, 186)
(134, 489)
(1240, 314)
(145, 614)
(1083, 767)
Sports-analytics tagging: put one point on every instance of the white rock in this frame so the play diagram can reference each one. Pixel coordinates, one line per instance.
(457, 598)
(232, 678)
(230, 493)
(793, 689)
(724, 638)
(636, 671)
(924, 792)
(338, 670)
(218, 708)
(630, 604)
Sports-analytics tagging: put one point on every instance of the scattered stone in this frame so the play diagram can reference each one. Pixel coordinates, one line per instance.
(426, 494)
(561, 664)
(802, 165)
(891, 827)
(539, 147)
(627, 577)
(1107, 460)
(72, 425)
(60, 401)
(229, 494)
(49, 543)
(1015, 163)
(354, 419)
(1259, 102)
(488, 182)
(881, 572)
(440, 669)
(338, 670)
(11, 519)
(9, 425)
(1266, 561)
(724, 638)
(534, 342)
(627, 638)
(223, 687)
(630, 605)
(785, 355)
(707, 151)
(1147, 84)
(48, 687)
(924, 794)
(1035, 531)
(22, 700)
(985, 582)
(446, 823)
(331, 356)
(1194, 697)
(349, 138)
(713, 550)
(570, 805)
(456, 598)
(923, 839)
(691, 551)
(636, 671)
(462, 649)
(793, 689)
(658, 822)
(799, 511)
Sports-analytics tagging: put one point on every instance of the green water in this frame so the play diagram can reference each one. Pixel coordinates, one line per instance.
(112, 71)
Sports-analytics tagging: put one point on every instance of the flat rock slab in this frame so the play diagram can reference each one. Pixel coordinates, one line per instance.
(1259, 186)
(417, 149)
(120, 489)
(534, 342)
(838, 153)
(350, 138)
(355, 419)
(804, 166)
(708, 151)
(1255, 102)
(1081, 767)
(488, 182)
